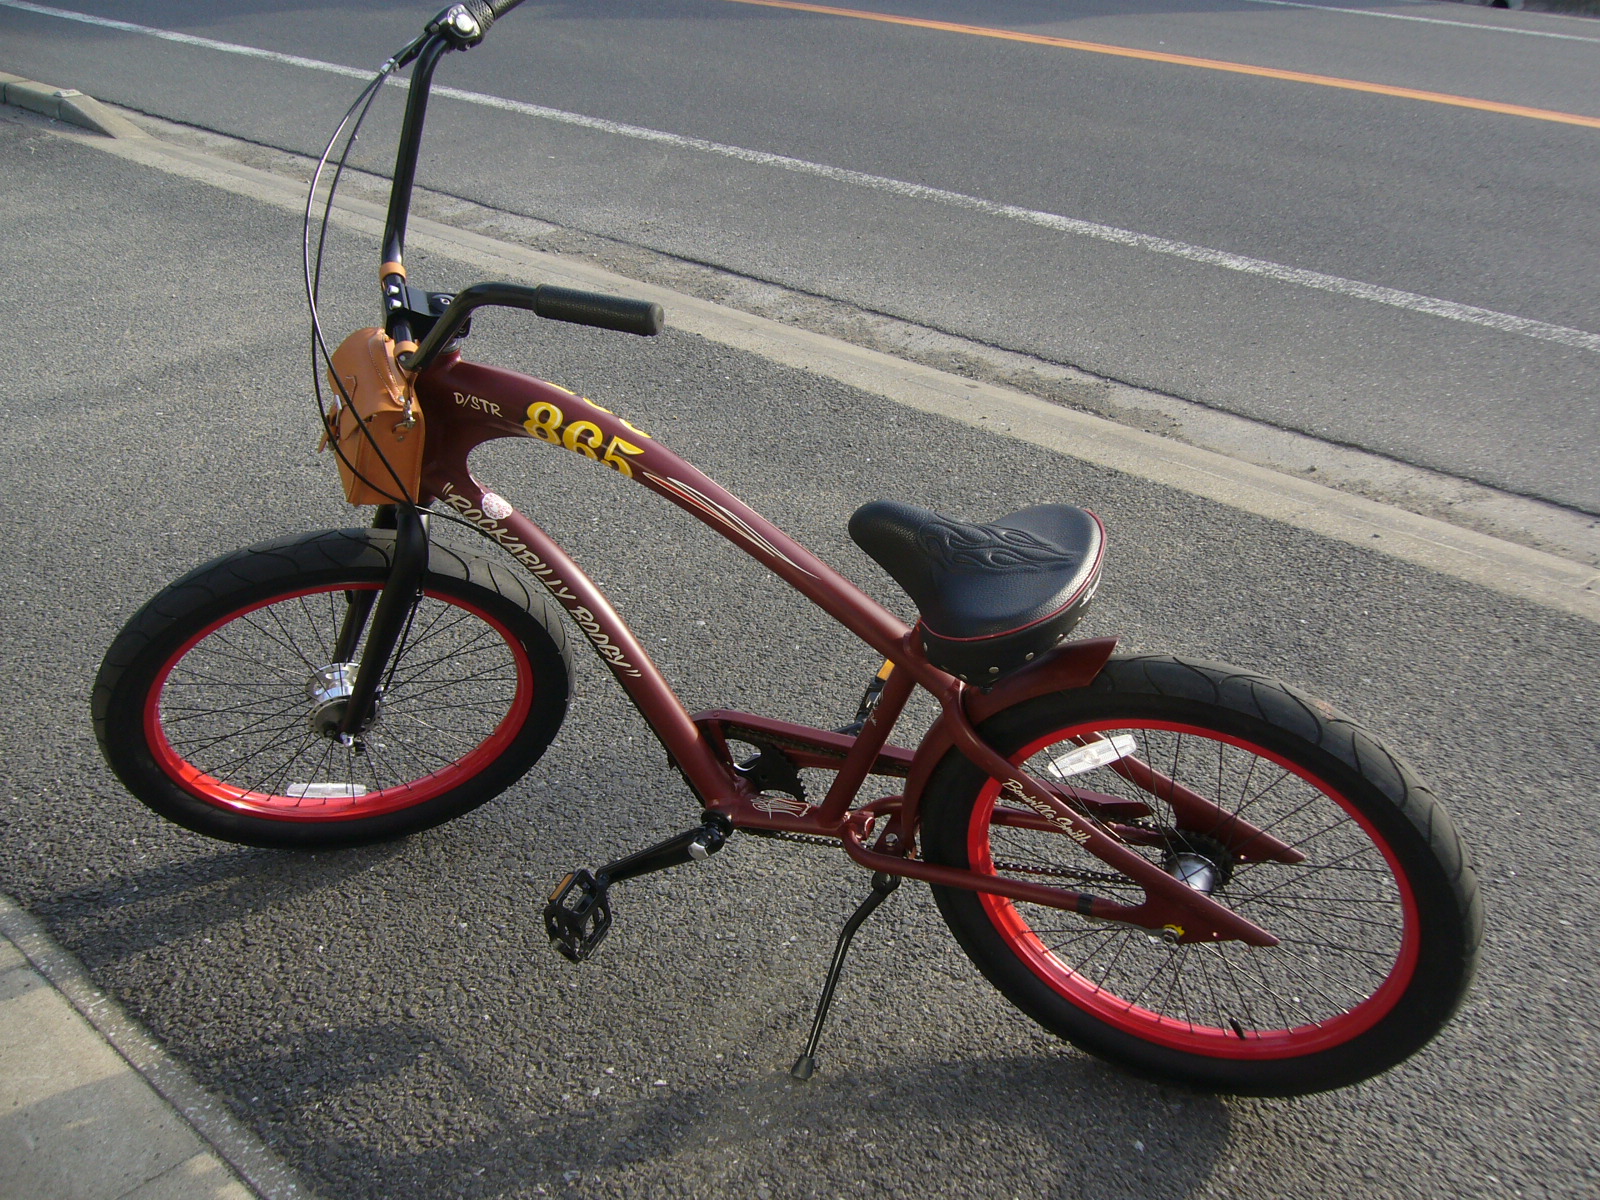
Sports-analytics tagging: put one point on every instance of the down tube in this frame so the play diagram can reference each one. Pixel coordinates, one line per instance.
(605, 629)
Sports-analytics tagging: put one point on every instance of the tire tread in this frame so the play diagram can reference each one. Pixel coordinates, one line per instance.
(1408, 810)
(233, 577)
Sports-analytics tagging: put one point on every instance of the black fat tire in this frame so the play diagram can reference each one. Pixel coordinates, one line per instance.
(279, 571)
(1317, 740)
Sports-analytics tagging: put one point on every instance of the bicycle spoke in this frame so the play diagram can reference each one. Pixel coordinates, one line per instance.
(319, 771)
(1280, 904)
(1303, 871)
(249, 708)
(451, 683)
(1337, 915)
(220, 646)
(1337, 947)
(1240, 993)
(226, 768)
(1122, 949)
(239, 705)
(288, 639)
(197, 747)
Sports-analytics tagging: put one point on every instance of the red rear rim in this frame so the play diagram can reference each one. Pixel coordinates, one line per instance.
(208, 769)
(1195, 999)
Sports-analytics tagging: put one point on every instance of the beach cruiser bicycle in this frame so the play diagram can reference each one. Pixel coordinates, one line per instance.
(1194, 872)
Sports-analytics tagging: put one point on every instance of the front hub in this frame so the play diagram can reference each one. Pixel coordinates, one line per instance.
(329, 690)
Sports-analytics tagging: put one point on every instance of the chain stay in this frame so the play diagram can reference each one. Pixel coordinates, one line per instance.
(812, 839)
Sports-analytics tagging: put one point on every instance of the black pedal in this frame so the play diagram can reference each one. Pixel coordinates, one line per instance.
(578, 915)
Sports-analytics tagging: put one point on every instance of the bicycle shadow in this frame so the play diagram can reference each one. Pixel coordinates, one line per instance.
(1072, 1126)
(112, 920)
(393, 1105)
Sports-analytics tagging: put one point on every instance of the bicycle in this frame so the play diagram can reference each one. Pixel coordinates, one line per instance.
(1196, 873)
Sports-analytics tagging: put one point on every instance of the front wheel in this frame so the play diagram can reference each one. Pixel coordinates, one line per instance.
(1378, 926)
(218, 703)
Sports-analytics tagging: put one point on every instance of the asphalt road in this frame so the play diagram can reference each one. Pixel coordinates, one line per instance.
(392, 1022)
(949, 162)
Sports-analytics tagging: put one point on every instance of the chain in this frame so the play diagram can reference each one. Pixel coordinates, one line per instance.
(809, 839)
(1063, 873)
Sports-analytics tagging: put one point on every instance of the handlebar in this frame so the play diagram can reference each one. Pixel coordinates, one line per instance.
(487, 12)
(465, 24)
(460, 27)
(642, 317)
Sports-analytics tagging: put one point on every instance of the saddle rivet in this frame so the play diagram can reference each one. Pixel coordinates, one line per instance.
(1028, 657)
(994, 670)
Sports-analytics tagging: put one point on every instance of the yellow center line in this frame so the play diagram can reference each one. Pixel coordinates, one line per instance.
(1184, 60)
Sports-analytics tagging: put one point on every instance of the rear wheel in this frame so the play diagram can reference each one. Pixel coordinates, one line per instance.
(218, 704)
(1378, 927)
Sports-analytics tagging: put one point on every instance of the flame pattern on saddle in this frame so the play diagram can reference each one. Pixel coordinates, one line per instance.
(962, 547)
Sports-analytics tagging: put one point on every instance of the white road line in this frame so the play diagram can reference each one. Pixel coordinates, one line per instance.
(188, 39)
(1543, 578)
(1368, 12)
(1393, 297)
(1315, 280)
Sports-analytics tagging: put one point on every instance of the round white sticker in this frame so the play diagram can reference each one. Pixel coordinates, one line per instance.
(496, 507)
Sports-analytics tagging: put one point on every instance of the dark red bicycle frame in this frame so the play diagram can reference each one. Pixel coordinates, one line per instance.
(466, 404)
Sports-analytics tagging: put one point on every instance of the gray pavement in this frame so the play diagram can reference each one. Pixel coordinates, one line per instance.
(388, 1022)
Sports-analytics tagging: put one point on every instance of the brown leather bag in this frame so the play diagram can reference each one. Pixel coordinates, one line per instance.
(378, 394)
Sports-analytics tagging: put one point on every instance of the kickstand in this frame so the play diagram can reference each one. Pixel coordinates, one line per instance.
(882, 886)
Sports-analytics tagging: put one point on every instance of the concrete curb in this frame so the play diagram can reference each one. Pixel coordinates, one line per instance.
(66, 104)
(97, 1108)
(1506, 567)
(1481, 559)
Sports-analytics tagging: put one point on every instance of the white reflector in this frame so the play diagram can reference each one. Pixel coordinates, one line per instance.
(1096, 754)
(325, 791)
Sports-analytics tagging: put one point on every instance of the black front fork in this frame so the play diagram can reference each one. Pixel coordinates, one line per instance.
(390, 613)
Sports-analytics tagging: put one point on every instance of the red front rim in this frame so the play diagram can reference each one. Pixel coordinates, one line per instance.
(312, 802)
(1139, 1015)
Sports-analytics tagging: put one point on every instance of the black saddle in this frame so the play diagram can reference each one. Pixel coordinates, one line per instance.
(990, 597)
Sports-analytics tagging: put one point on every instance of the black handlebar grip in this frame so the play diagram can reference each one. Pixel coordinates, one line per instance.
(643, 317)
(487, 12)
